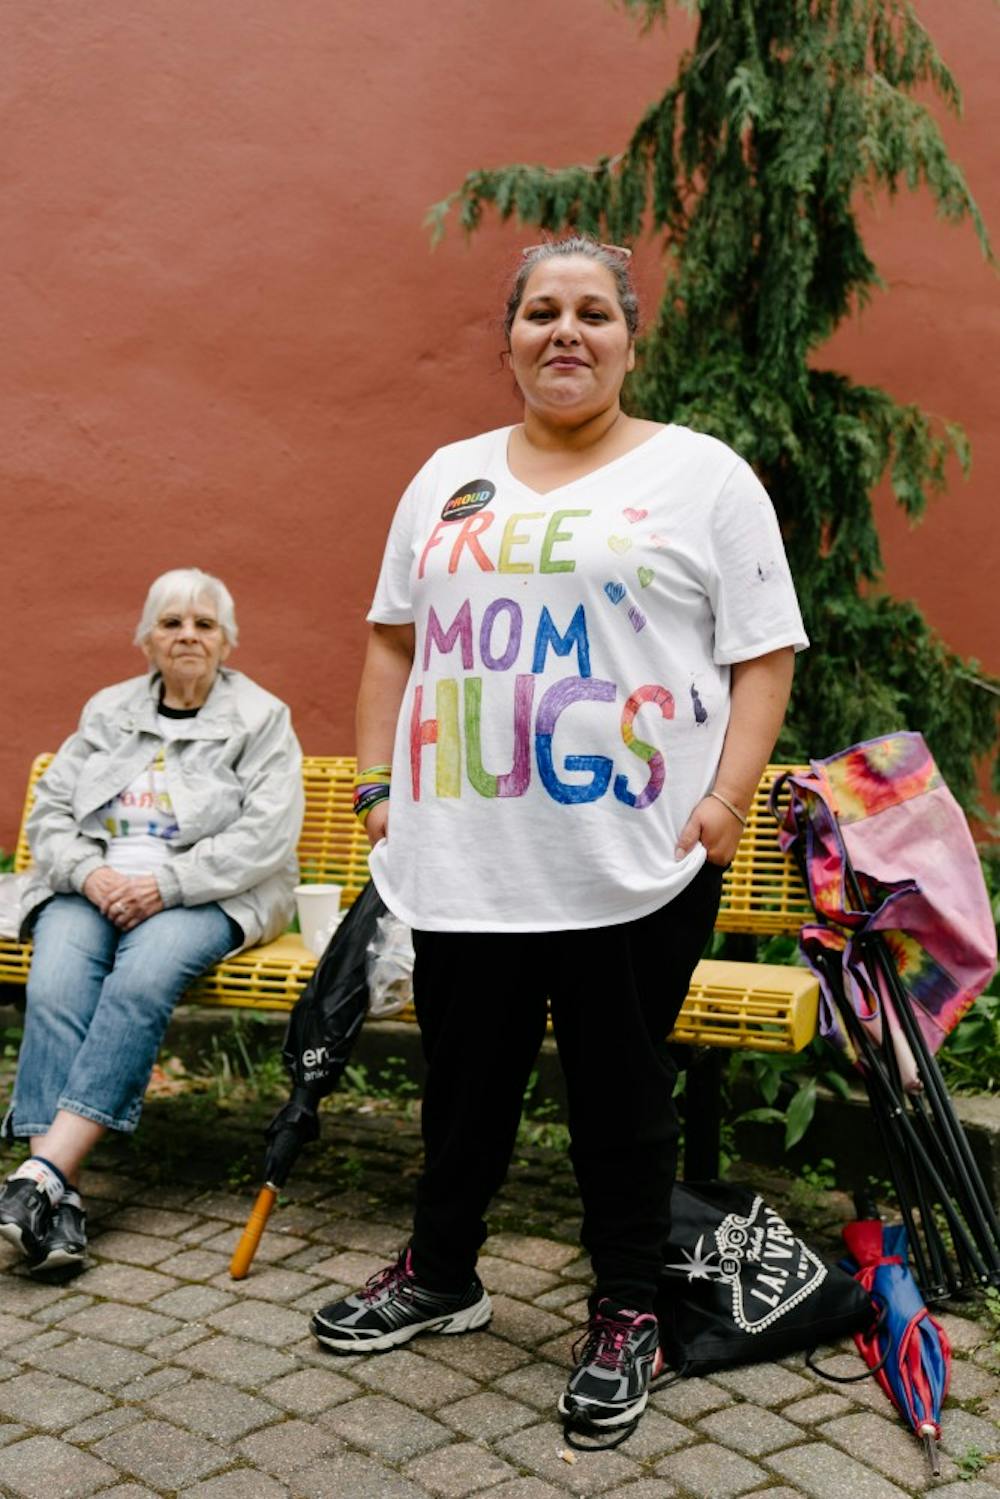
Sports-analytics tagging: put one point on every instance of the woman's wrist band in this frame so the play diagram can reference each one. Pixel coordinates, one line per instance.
(729, 807)
(367, 797)
(373, 773)
(371, 786)
(374, 793)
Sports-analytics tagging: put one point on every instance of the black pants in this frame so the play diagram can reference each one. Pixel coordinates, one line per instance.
(614, 994)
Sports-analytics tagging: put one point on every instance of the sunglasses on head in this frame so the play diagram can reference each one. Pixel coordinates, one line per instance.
(620, 250)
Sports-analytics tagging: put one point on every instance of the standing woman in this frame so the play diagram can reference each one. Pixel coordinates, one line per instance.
(581, 655)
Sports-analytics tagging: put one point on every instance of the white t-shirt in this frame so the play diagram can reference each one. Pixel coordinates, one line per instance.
(140, 819)
(570, 686)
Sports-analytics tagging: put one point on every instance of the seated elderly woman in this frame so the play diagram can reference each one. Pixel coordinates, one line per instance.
(163, 837)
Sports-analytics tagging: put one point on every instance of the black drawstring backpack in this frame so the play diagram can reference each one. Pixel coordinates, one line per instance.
(738, 1287)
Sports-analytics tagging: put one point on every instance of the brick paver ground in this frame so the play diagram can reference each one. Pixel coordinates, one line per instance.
(154, 1374)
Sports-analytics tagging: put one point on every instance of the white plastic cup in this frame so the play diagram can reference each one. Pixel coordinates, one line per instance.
(319, 908)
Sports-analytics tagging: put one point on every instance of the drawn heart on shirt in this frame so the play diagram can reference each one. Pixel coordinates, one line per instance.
(632, 516)
(657, 541)
(615, 592)
(619, 543)
(646, 576)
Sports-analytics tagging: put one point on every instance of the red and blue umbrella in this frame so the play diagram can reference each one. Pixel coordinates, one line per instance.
(908, 1349)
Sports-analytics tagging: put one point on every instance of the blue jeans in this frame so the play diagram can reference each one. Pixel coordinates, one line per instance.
(98, 1005)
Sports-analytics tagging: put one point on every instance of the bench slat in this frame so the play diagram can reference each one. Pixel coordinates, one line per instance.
(753, 1006)
(762, 892)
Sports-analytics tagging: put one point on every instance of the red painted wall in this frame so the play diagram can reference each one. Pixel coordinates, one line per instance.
(933, 337)
(227, 342)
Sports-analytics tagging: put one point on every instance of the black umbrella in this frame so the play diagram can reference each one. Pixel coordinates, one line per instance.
(322, 1030)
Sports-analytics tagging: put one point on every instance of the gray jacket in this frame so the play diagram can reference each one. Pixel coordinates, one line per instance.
(235, 781)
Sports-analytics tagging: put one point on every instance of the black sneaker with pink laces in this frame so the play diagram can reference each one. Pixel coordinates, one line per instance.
(393, 1307)
(615, 1363)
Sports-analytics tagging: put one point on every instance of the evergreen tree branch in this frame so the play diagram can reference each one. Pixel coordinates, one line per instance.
(750, 165)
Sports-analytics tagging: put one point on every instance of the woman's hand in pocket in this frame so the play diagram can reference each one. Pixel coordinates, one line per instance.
(714, 826)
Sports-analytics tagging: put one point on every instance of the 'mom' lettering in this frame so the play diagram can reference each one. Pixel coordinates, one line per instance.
(460, 632)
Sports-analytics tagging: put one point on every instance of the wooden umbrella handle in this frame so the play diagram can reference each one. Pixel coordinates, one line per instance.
(247, 1247)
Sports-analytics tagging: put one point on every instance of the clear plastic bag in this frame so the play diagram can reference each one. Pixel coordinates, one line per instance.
(11, 890)
(390, 967)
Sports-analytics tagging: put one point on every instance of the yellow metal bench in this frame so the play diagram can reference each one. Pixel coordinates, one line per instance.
(759, 1006)
(756, 1006)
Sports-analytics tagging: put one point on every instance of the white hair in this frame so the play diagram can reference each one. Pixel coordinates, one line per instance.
(184, 586)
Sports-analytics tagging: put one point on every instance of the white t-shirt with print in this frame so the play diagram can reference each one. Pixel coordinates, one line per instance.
(570, 687)
(140, 819)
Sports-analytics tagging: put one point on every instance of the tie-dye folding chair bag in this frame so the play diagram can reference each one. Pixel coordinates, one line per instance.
(882, 810)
